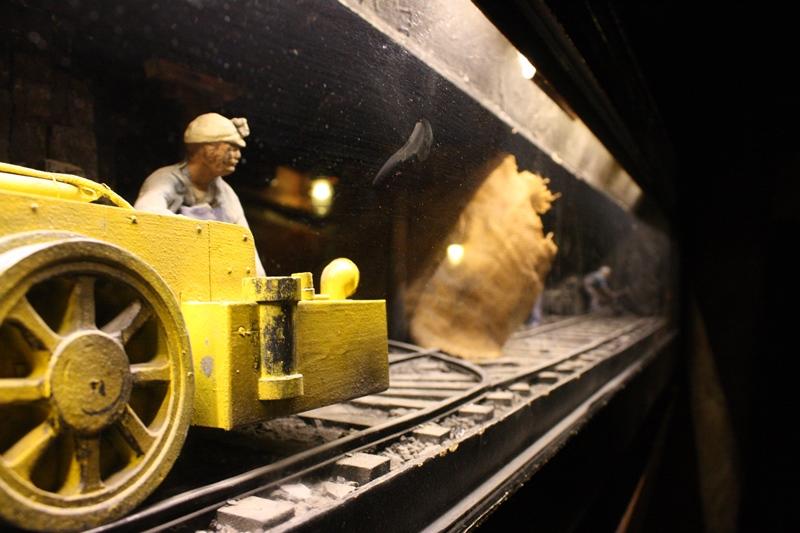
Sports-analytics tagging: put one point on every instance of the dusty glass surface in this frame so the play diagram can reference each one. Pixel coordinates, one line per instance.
(409, 137)
(370, 139)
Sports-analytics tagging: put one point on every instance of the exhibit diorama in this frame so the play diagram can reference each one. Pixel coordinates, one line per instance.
(313, 265)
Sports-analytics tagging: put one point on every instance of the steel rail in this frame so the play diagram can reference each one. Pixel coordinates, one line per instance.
(191, 504)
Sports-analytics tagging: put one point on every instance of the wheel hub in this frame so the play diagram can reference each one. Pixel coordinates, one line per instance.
(90, 381)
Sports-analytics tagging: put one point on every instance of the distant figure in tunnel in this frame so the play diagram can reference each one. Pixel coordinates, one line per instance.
(599, 294)
(535, 318)
(194, 187)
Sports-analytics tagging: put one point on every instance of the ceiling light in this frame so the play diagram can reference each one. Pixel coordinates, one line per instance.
(455, 254)
(528, 70)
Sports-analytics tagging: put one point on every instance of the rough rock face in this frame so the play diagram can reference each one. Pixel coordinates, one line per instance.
(566, 298)
(470, 307)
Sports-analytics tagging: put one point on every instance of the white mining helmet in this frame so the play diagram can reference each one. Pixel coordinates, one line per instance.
(213, 127)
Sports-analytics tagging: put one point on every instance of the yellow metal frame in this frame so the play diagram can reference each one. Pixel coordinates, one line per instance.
(65, 186)
(261, 347)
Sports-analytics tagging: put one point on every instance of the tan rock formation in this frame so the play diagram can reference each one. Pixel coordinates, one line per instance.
(469, 307)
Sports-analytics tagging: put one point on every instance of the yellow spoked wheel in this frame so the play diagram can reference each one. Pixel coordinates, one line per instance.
(95, 382)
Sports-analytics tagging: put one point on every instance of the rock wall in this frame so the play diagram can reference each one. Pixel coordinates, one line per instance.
(469, 307)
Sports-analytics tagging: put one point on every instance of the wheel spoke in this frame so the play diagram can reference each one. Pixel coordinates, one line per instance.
(135, 433)
(22, 457)
(72, 480)
(80, 306)
(26, 316)
(153, 371)
(18, 390)
(128, 322)
(87, 454)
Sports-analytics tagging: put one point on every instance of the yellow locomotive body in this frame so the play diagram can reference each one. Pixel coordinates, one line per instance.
(119, 328)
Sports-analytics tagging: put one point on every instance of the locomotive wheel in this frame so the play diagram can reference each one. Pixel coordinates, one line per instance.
(95, 383)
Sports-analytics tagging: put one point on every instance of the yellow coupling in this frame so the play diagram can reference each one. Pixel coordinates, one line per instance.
(277, 299)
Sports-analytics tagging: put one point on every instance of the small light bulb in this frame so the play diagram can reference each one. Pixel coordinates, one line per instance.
(455, 254)
(528, 70)
(321, 190)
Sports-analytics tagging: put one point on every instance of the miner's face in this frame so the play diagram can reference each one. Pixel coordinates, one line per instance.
(221, 157)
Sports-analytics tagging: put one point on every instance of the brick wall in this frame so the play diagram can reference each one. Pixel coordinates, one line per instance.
(46, 114)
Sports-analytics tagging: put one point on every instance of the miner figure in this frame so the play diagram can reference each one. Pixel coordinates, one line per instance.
(597, 290)
(194, 187)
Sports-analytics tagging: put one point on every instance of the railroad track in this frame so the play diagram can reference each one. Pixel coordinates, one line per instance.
(435, 403)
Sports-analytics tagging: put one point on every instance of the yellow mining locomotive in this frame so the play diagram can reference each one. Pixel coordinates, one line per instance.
(119, 329)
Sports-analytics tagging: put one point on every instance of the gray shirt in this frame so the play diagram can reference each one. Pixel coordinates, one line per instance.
(169, 191)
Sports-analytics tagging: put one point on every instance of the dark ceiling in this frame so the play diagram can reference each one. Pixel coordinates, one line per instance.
(672, 88)
(584, 52)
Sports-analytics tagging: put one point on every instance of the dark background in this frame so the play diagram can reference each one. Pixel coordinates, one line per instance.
(706, 89)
